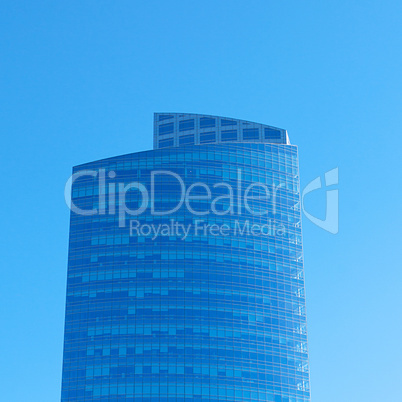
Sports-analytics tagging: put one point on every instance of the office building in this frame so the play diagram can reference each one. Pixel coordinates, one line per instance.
(185, 271)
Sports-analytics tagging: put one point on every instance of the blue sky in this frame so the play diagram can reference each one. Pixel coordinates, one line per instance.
(79, 81)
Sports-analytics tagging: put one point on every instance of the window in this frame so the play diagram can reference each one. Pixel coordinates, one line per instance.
(272, 134)
(228, 122)
(165, 117)
(186, 139)
(229, 135)
(206, 122)
(167, 128)
(166, 143)
(251, 134)
(207, 137)
(186, 125)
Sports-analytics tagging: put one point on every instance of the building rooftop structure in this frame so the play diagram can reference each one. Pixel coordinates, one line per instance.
(177, 129)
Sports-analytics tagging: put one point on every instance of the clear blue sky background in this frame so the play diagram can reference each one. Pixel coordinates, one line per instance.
(80, 80)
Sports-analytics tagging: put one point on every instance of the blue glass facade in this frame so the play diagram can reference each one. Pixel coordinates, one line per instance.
(201, 299)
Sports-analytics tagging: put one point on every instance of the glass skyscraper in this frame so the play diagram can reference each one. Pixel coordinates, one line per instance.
(185, 271)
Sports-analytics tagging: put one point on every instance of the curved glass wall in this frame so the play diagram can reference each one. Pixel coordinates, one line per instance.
(185, 277)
